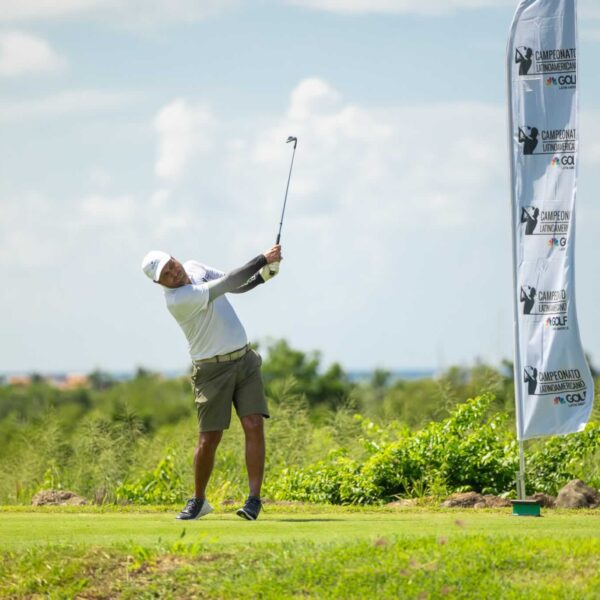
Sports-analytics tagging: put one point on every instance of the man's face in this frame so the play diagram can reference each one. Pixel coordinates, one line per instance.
(173, 274)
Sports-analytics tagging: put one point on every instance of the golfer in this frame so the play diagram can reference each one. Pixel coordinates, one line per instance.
(225, 370)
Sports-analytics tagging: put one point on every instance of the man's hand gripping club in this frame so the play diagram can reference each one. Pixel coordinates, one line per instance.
(273, 257)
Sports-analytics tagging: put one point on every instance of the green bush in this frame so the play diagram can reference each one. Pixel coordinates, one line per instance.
(467, 451)
(558, 460)
(162, 485)
(411, 438)
(335, 480)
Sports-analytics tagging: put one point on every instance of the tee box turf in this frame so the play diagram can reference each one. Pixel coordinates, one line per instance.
(526, 508)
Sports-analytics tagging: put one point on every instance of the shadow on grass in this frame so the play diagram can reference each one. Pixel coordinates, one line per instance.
(300, 520)
(334, 520)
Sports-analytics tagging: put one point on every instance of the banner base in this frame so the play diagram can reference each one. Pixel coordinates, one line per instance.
(526, 508)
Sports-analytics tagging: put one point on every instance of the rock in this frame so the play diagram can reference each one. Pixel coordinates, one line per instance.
(544, 500)
(57, 498)
(578, 495)
(403, 503)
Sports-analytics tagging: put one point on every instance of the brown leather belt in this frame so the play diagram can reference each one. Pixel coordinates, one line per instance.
(225, 357)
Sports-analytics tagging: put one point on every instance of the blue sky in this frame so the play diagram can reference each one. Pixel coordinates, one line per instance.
(129, 126)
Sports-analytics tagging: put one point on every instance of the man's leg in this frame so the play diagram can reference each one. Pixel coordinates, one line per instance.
(255, 451)
(204, 460)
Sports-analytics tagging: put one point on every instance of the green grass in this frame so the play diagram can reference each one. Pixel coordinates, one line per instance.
(302, 551)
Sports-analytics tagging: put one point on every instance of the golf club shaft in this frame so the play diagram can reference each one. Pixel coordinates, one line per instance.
(286, 194)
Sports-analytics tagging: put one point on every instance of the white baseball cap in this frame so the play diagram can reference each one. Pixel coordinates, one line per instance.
(154, 262)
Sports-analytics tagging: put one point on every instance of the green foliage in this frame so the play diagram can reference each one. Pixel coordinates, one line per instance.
(334, 480)
(416, 402)
(558, 460)
(331, 388)
(467, 451)
(329, 439)
(27, 403)
(100, 380)
(162, 485)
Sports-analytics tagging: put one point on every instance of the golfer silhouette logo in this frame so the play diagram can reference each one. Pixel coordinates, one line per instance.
(528, 299)
(530, 141)
(530, 216)
(524, 59)
(530, 375)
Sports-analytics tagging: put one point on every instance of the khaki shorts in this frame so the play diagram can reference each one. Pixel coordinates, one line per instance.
(219, 385)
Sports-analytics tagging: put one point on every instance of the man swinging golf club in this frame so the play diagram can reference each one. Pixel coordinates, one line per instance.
(225, 369)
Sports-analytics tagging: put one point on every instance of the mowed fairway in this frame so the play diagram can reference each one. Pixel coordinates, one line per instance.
(306, 551)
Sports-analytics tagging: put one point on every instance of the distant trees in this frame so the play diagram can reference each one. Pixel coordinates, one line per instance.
(101, 380)
(330, 388)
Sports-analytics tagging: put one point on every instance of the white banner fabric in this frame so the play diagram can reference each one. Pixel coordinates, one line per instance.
(553, 386)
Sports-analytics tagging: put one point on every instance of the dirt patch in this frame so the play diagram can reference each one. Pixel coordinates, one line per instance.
(404, 503)
(57, 498)
(475, 500)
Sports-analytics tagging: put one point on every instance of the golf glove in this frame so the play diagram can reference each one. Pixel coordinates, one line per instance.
(269, 271)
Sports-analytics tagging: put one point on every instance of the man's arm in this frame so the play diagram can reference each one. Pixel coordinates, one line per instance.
(255, 280)
(245, 278)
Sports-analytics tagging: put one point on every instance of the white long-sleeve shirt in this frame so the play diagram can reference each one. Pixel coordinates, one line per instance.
(211, 328)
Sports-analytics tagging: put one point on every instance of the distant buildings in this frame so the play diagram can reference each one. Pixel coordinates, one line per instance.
(69, 381)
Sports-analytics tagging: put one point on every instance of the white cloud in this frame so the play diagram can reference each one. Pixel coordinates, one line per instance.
(127, 13)
(397, 228)
(432, 162)
(182, 129)
(398, 6)
(100, 208)
(43, 9)
(69, 102)
(159, 197)
(22, 52)
(310, 96)
(26, 238)
(135, 14)
(100, 177)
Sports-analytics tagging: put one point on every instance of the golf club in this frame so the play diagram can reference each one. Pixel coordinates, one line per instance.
(295, 140)
(287, 187)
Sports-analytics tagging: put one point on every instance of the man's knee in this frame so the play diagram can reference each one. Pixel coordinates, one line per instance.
(252, 424)
(209, 440)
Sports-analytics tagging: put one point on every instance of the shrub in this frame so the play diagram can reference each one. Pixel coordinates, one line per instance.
(557, 460)
(467, 451)
(162, 485)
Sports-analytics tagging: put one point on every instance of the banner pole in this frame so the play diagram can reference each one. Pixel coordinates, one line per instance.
(521, 493)
(517, 365)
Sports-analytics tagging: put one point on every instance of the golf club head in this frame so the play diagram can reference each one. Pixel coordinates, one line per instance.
(291, 138)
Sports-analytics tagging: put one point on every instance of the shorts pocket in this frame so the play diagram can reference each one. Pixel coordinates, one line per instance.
(258, 356)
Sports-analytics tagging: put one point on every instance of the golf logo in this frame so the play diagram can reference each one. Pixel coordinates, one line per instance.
(553, 224)
(528, 136)
(524, 58)
(570, 399)
(564, 162)
(530, 215)
(561, 144)
(551, 305)
(559, 65)
(562, 82)
(565, 385)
